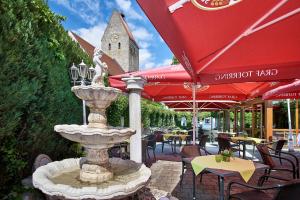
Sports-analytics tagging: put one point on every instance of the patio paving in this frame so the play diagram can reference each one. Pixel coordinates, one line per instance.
(166, 173)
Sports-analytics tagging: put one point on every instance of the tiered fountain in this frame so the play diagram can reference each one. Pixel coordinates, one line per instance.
(95, 176)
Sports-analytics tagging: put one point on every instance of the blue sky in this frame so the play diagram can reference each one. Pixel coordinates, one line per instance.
(89, 18)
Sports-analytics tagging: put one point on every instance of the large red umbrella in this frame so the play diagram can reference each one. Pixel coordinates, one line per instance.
(288, 91)
(229, 41)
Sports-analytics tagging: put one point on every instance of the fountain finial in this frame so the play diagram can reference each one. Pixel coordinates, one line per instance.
(100, 67)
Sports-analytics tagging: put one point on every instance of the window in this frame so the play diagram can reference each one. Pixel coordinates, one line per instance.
(119, 45)
(109, 46)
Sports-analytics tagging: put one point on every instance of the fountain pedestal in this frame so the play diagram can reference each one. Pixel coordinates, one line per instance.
(96, 168)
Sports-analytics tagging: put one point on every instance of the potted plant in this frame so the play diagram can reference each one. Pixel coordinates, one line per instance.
(226, 154)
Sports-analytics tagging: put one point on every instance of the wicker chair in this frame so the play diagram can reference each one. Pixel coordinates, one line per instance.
(188, 153)
(267, 159)
(289, 190)
(159, 137)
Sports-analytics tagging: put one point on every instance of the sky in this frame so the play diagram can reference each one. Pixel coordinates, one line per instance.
(88, 18)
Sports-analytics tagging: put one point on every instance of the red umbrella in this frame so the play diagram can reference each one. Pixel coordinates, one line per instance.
(169, 74)
(230, 41)
(288, 91)
(201, 105)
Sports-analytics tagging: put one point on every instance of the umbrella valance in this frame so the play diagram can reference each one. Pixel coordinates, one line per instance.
(235, 41)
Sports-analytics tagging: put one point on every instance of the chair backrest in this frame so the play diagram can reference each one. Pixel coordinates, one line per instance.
(190, 133)
(189, 151)
(151, 140)
(278, 145)
(159, 137)
(289, 191)
(203, 140)
(224, 143)
(265, 155)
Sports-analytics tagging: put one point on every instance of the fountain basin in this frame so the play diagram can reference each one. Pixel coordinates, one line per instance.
(60, 179)
(96, 138)
(96, 96)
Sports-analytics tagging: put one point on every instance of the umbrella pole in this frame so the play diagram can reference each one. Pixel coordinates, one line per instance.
(290, 138)
(194, 114)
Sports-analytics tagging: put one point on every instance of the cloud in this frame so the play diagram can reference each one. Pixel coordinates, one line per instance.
(126, 7)
(88, 10)
(166, 62)
(92, 34)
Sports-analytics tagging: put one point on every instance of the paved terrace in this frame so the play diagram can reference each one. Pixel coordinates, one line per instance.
(166, 173)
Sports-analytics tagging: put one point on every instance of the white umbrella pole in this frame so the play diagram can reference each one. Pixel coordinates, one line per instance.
(290, 138)
(194, 114)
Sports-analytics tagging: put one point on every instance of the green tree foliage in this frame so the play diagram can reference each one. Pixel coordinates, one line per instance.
(175, 61)
(35, 54)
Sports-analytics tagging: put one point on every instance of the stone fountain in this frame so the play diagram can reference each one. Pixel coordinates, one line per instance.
(95, 176)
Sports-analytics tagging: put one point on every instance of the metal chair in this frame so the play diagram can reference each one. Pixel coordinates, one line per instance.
(290, 190)
(159, 137)
(202, 141)
(151, 144)
(188, 153)
(267, 159)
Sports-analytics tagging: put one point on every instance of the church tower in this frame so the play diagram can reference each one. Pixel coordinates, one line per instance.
(119, 43)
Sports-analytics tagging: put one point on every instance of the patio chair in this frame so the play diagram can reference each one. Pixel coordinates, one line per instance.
(289, 190)
(159, 137)
(267, 159)
(224, 143)
(277, 147)
(202, 141)
(190, 138)
(151, 145)
(188, 153)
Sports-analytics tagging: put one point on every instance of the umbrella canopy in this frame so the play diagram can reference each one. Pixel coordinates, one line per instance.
(230, 41)
(287, 91)
(173, 83)
(201, 105)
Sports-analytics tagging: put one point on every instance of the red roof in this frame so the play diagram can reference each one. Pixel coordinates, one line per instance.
(113, 66)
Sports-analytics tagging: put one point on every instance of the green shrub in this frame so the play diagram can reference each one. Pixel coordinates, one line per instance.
(35, 54)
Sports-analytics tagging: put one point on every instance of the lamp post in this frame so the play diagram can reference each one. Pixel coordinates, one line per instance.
(84, 72)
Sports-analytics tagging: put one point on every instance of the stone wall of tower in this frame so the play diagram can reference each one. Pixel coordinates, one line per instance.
(117, 44)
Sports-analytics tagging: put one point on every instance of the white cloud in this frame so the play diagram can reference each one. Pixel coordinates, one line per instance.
(126, 7)
(166, 62)
(88, 10)
(92, 34)
(146, 58)
(142, 34)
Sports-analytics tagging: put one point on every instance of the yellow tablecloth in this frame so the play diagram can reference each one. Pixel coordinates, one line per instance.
(250, 139)
(181, 136)
(246, 168)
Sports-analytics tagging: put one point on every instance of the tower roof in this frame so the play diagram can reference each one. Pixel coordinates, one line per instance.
(124, 23)
(113, 66)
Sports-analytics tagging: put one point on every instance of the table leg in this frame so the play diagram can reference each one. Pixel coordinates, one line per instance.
(221, 187)
(194, 185)
(244, 150)
(174, 145)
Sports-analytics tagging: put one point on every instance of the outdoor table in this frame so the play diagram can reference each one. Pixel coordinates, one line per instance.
(222, 169)
(174, 137)
(245, 140)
